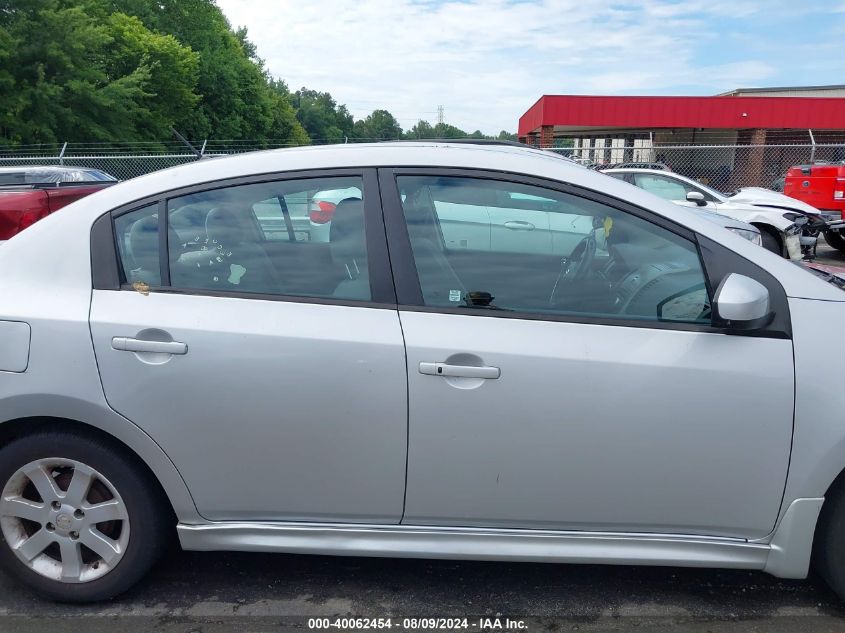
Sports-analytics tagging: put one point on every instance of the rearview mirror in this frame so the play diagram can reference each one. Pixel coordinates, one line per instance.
(697, 197)
(742, 303)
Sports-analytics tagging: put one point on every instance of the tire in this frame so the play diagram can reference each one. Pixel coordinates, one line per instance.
(836, 240)
(829, 540)
(91, 479)
(771, 242)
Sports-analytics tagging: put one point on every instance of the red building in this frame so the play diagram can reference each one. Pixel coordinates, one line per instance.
(624, 129)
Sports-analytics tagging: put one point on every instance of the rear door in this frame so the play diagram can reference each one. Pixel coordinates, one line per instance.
(271, 370)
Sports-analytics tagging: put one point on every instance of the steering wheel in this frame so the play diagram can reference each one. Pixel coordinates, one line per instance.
(579, 263)
(577, 266)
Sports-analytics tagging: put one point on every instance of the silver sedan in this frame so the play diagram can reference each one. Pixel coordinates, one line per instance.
(495, 354)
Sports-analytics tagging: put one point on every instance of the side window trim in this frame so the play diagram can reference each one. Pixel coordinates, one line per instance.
(163, 243)
(106, 265)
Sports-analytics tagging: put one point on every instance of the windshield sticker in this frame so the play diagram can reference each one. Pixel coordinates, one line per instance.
(454, 295)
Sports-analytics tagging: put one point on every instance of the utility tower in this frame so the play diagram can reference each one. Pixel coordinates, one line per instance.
(440, 114)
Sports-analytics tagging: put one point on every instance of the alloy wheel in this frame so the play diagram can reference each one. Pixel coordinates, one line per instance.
(64, 520)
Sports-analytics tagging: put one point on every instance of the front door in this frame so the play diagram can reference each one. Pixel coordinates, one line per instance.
(583, 389)
(269, 366)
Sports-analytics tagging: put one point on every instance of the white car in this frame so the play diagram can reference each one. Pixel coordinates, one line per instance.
(772, 213)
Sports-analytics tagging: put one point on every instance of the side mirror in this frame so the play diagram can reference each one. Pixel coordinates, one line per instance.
(742, 303)
(697, 197)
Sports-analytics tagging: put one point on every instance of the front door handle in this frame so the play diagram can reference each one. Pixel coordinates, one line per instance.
(519, 225)
(459, 371)
(128, 344)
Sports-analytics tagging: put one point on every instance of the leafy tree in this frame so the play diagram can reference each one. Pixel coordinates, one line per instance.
(73, 73)
(380, 125)
(237, 100)
(421, 130)
(322, 118)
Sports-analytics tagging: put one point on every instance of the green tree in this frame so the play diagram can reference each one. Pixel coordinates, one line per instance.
(421, 130)
(378, 126)
(323, 119)
(237, 100)
(72, 72)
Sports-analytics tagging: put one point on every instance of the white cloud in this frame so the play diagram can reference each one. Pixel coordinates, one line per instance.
(487, 61)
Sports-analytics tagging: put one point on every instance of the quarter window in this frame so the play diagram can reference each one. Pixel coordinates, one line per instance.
(484, 245)
(137, 244)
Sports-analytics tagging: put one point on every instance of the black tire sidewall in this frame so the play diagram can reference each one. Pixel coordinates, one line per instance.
(146, 536)
(771, 242)
(835, 239)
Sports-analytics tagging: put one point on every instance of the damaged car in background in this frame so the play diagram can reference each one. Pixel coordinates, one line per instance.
(788, 227)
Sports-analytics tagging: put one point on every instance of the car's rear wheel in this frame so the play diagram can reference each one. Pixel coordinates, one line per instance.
(836, 240)
(79, 520)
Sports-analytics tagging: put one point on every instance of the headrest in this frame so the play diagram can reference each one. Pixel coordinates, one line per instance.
(143, 243)
(346, 235)
(226, 225)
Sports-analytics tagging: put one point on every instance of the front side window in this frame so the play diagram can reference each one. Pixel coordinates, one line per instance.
(541, 251)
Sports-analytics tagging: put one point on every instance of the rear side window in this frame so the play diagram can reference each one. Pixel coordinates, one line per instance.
(293, 237)
(136, 234)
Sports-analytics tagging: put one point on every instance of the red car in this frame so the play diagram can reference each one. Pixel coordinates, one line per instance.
(28, 194)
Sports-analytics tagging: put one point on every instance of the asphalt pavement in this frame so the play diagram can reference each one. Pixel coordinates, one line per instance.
(209, 592)
(828, 255)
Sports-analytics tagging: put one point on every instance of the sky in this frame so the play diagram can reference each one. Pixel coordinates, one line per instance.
(487, 61)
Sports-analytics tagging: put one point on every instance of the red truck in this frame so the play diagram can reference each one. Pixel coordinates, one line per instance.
(822, 186)
(28, 194)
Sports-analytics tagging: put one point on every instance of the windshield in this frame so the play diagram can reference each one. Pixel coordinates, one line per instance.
(721, 197)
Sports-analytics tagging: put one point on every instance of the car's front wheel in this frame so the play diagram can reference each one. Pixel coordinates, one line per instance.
(79, 520)
(835, 239)
(771, 242)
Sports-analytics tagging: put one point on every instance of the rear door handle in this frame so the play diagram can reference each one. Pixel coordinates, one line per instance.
(128, 344)
(459, 371)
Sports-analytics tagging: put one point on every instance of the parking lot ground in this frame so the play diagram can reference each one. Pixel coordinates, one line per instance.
(209, 592)
(828, 255)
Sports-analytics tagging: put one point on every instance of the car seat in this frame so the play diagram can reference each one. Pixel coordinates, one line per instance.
(348, 244)
(236, 261)
(143, 250)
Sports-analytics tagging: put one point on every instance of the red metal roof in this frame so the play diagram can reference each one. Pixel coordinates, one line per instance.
(826, 113)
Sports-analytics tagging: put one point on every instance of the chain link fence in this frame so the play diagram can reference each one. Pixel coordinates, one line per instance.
(725, 160)
(724, 167)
